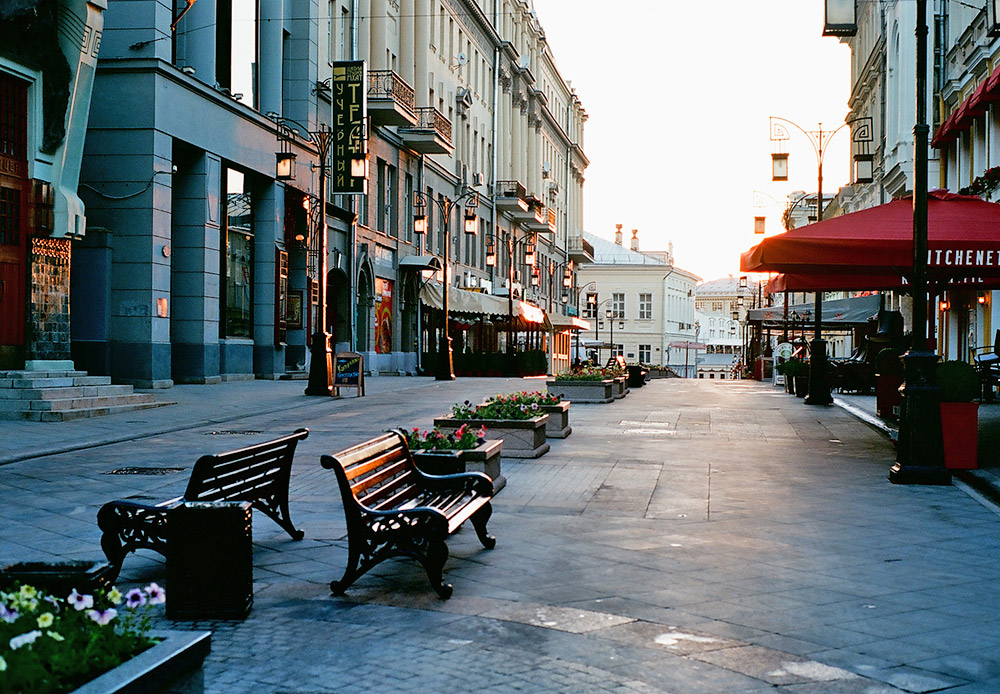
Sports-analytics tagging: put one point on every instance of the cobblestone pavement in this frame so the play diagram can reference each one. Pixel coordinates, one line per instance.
(715, 537)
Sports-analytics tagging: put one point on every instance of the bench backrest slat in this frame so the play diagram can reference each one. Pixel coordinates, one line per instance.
(246, 473)
(395, 491)
(377, 474)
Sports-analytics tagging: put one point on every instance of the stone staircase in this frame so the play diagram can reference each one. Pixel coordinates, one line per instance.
(59, 396)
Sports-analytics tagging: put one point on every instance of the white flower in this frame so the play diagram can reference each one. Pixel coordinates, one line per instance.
(45, 620)
(8, 615)
(3, 664)
(135, 598)
(80, 602)
(102, 617)
(24, 639)
(55, 636)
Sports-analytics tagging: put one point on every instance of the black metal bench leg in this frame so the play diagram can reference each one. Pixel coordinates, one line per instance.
(433, 562)
(278, 512)
(352, 573)
(479, 519)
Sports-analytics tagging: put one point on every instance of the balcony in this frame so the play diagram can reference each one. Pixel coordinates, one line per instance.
(511, 198)
(580, 250)
(539, 222)
(431, 134)
(390, 99)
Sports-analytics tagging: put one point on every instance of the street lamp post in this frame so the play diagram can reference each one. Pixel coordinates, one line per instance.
(321, 362)
(819, 390)
(528, 242)
(445, 370)
(919, 451)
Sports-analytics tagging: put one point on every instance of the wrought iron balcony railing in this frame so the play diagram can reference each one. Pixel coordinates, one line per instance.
(386, 84)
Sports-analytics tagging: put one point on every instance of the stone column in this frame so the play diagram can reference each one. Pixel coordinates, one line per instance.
(196, 46)
(364, 31)
(379, 12)
(421, 51)
(195, 270)
(271, 38)
(407, 39)
(269, 221)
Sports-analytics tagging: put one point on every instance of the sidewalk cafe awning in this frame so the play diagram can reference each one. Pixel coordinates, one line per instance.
(837, 313)
(465, 301)
(963, 242)
(975, 104)
(800, 282)
(560, 322)
(420, 262)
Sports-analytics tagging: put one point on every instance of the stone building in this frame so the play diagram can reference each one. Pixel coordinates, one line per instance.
(204, 265)
(638, 302)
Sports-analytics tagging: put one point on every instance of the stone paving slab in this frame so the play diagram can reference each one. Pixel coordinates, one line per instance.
(757, 547)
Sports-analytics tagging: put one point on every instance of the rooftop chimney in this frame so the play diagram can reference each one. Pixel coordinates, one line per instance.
(635, 240)
(618, 234)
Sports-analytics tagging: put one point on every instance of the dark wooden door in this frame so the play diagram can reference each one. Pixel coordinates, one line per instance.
(14, 187)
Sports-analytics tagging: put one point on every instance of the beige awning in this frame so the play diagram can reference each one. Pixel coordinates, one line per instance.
(568, 322)
(420, 262)
(465, 301)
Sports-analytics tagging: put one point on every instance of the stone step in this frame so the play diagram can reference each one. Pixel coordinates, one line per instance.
(55, 382)
(40, 374)
(93, 402)
(69, 415)
(64, 393)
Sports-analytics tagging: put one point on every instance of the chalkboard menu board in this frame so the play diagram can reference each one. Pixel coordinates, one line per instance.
(349, 371)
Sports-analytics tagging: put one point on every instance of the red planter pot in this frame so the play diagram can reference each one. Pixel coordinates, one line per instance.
(887, 397)
(960, 434)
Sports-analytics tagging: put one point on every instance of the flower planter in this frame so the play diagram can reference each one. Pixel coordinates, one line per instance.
(887, 397)
(172, 665)
(484, 458)
(960, 434)
(582, 392)
(558, 426)
(522, 438)
(61, 577)
(620, 387)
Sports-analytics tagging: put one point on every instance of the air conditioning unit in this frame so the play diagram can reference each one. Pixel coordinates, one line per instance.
(477, 179)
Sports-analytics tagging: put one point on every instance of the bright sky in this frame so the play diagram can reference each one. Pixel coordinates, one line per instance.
(678, 96)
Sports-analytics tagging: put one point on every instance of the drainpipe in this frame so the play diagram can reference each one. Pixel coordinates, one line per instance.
(494, 165)
(353, 245)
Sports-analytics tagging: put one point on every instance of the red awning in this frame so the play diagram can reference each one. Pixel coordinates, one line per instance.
(975, 104)
(796, 282)
(963, 241)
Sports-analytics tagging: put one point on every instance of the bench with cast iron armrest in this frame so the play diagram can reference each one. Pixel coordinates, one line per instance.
(987, 362)
(393, 509)
(258, 474)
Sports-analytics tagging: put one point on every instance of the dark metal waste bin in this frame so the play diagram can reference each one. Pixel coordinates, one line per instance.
(209, 560)
(636, 376)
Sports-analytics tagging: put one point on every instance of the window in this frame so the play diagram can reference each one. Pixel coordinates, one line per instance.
(618, 305)
(717, 306)
(346, 46)
(590, 309)
(237, 265)
(645, 306)
(408, 206)
(645, 354)
(237, 56)
(618, 350)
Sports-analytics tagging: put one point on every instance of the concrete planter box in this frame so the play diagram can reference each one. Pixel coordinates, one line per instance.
(522, 438)
(172, 665)
(484, 458)
(583, 392)
(619, 389)
(558, 426)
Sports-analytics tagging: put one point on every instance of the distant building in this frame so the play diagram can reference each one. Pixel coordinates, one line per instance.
(650, 300)
(721, 318)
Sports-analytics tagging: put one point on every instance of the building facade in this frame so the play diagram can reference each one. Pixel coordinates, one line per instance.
(48, 52)
(204, 263)
(639, 303)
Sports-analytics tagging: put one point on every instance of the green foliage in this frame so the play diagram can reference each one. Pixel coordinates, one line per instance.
(463, 439)
(888, 363)
(792, 368)
(503, 407)
(50, 644)
(957, 381)
(525, 397)
(584, 373)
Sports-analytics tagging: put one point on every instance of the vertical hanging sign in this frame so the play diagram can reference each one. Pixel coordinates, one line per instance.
(349, 88)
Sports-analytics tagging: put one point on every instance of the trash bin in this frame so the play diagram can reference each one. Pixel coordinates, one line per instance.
(636, 376)
(209, 560)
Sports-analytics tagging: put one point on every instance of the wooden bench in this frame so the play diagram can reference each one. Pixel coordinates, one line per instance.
(258, 474)
(393, 509)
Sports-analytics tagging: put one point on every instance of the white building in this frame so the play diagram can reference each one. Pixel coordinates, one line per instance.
(650, 301)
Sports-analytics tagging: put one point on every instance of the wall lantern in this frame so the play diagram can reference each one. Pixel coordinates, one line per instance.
(779, 166)
(992, 21)
(981, 298)
(491, 253)
(359, 165)
(743, 281)
(535, 277)
(944, 305)
(419, 223)
(284, 166)
(840, 18)
(471, 221)
(864, 168)
(609, 314)
(736, 316)
(758, 224)
(567, 278)
(529, 254)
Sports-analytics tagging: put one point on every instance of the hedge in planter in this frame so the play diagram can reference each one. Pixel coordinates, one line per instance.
(551, 404)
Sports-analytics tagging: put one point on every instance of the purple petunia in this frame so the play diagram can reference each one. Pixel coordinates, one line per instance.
(80, 602)
(135, 598)
(103, 617)
(24, 639)
(8, 615)
(157, 596)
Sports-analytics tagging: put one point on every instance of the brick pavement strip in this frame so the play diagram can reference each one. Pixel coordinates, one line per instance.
(693, 537)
